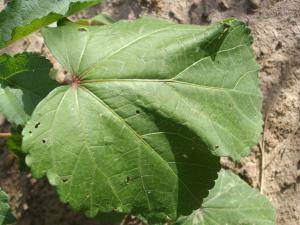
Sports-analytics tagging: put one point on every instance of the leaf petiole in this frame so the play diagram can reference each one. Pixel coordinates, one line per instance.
(5, 135)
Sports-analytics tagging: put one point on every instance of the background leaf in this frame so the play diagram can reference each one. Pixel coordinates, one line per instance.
(24, 81)
(6, 216)
(234, 202)
(149, 103)
(21, 18)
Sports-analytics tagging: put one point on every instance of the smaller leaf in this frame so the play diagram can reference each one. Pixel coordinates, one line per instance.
(21, 18)
(6, 216)
(24, 82)
(232, 202)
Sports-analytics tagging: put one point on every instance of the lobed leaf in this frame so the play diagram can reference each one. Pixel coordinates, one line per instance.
(6, 216)
(21, 18)
(24, 82)
(234, 202)
(149, 103)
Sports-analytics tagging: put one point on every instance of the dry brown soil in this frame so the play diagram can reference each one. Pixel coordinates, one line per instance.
(273, 167)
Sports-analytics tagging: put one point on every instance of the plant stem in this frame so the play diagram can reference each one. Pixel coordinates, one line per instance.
(5, 135)
(262, 156)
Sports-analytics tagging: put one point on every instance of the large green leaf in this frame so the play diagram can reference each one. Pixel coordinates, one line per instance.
(148, 102)
(24, 82)
(232, 202)
(6, 216)
(21, 18)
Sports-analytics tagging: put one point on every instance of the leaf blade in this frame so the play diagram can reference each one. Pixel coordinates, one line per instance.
(91, 165)
(6, 216)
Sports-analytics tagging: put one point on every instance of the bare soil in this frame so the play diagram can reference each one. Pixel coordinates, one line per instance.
(273, 167)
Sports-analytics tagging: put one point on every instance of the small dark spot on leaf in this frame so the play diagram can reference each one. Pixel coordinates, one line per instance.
(30, 132)
(65, 180)
(128, 179)
(217, 146)
(138, 111)
(37, 125)
(82, 29)
(44, 141)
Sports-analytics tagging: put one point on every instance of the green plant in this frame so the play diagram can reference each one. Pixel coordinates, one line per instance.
(146, 112)
(6, 216)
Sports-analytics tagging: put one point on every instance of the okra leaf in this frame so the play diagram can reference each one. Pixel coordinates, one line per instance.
(24, 82)
(148, 106)
(21, 18)
(232, 201)
(6, 216)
